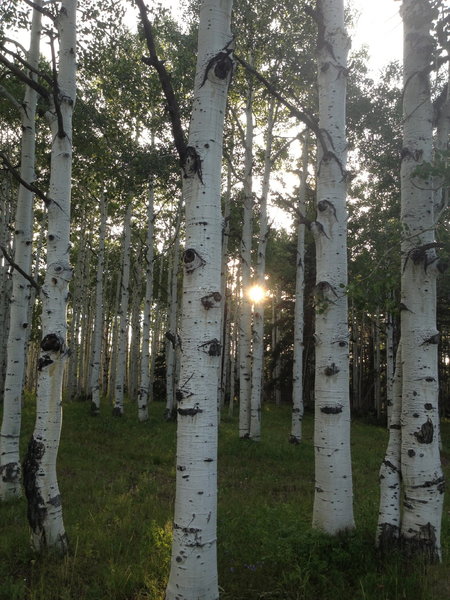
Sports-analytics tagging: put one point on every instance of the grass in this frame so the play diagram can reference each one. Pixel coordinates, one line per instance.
(117, 483)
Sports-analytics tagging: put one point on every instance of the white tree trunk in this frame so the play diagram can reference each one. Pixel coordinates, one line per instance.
(135, 341)
(423, 481)
(144, 385)
(245, 316)
(258, 313)
(333, 500)
(389, 365)
(193, 572)
(98, 319)
(10, 470)
(297, 371)
(122, 342)
(225, 339)
(376, 364)
(389, 519)
(40, 481)
(172, 332)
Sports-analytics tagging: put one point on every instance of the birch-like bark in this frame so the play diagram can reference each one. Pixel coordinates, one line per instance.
(10, 469)
(389, 365)
(98, 319)
(135, 341)
(172, 332)
(193, 572)
(71, 376)
(122, 330)
(275, 350)
(245, 316)
(297, 370)
(225, 340)
(376, 364)
(144, 384)
(6, 210)
(389, 519)
(258, 313)
(333, 500)
(423, 481)
(40, 481)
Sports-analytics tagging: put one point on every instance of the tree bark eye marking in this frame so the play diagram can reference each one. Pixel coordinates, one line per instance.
(192, 260)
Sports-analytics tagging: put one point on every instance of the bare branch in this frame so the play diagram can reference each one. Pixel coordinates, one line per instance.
(18, 269)
(166, 84)
(21, 75)
(309, 120)
(4, 92)
(41, 9)
(15, 173)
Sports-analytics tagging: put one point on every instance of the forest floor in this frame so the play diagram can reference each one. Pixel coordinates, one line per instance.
(117, 476)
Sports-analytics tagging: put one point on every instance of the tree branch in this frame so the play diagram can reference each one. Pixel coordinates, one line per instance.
(15, 173)
(24, 78)
(41, 9)
(166, 84)
(4, 92)
(19, 270)
(309, 120)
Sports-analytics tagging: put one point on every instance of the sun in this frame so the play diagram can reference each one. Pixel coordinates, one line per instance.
(256, 293)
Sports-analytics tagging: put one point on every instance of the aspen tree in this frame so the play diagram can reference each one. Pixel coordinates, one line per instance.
(98, 319)
(122, 329)
(172, 344)
(333, 500)
(389, 520)
(297, 383)
(193, 572)
(423, 481)
(245, 314)
(145, 381)
(258, 313)
(10, 470)
(40, 480)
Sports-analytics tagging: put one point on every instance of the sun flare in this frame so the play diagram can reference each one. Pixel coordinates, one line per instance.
(256, 294)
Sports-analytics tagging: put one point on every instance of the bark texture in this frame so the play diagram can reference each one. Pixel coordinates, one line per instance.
(333, 504)
(40, 480)
(10, 470)
(297, 370)
(193, 572)
(423, 481)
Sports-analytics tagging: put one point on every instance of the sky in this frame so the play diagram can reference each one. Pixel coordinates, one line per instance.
(380, 28)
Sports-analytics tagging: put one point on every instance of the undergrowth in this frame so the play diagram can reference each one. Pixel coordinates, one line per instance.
(117, 483)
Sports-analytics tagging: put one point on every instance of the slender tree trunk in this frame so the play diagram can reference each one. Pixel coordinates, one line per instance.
(423, 481)
(245, 317)
(223, 290)
(297, 379)
(389, 365)
(172, 333)
(389, 519)
(258, 313)
(376, 364)
(135, 341)
(98, 319)
(41, 486)
(6, 209)
(144, 387)
(275, 350)
(10, 470)
(122, 342)
(193, 572)
(333, 500)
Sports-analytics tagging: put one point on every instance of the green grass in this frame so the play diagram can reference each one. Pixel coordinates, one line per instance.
(117, 483)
